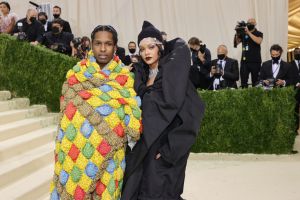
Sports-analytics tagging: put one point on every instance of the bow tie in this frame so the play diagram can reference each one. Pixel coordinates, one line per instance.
(275, 61)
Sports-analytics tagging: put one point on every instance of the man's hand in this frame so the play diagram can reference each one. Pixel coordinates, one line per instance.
(34, 43)
(129, 67)
(247, 31)
(213, 71)
(266, 82)
(280, 82)
(201, 56)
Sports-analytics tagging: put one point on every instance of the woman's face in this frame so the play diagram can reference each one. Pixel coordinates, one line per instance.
(4, 9)
(149, 52)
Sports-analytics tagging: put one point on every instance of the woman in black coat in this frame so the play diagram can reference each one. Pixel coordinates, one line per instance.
(171, 115)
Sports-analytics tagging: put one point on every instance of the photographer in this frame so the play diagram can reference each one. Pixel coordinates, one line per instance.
(200, 63)
(224, 71)
(276, 72)
(81, 47)
(251, 39)
(29, 28)
(57, 40)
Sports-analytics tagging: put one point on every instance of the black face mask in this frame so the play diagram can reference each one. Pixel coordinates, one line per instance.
(55, 30)
(275, 59)
(250, 27)
(43, 21)
(193, 50)
(297, 56)
(221, 56)
(132, 51)
(56, 16)
(32, 19)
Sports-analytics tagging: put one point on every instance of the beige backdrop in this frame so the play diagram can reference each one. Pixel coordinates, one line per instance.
(213, 21)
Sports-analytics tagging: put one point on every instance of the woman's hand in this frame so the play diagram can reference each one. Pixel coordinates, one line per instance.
(158, 156)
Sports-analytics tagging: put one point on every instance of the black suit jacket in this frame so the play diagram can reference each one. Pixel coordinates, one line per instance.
(121, 53)
(286, 72)
(231, 73)
(64, 39)
(296, 73)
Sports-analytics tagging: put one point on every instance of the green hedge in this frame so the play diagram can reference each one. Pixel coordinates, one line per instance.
(248, 121)
(34, 72)
(237, 121)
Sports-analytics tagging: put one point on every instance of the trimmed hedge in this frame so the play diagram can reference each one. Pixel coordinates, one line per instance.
(35, 72)
(248, 121)
(238, 121)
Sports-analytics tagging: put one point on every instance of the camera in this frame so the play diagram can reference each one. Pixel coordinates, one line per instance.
(218, 73)
(202, 48)
(76, 42)
(240, 28)
(21, 35)
(59, 47)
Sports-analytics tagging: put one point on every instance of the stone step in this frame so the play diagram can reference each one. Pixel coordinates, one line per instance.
(16, 103)
(30, 187)
(17, 145)
(14, 129)
(5, 95)
(16, 115)
(15, 168)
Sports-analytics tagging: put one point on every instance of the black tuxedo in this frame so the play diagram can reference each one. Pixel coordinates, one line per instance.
(230, 76)
(121, 53)
(127, 59)
(286, 72)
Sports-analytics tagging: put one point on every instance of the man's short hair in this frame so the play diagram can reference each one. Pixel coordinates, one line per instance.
(297, 49)
(42, 14)
(58, 8)
(194, 41)
(6, 4)
(276, 47)
(107, 28)
(131, 42)
(58, 21)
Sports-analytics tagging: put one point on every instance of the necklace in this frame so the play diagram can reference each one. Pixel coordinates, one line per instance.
(153, 72)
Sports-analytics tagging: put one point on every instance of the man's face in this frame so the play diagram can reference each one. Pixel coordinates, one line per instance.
(251, 21)
(32, 13)
(58, 27)
(103, 47)
(131, 46)
(222, 50)
(275, 54)
(56, 11)
(194, 47)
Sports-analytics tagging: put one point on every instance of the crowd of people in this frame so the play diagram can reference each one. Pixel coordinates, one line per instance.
(205, 73)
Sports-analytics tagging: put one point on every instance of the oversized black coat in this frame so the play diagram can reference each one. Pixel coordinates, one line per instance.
(171, 115)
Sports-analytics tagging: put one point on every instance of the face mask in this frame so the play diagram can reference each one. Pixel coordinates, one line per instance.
(32, 19)
(43, 21)
(297, 56)
(56, 16)
(275, 59)
(55, 30)
(132, 51)
(221, 56)
(250, 27)
(193, 50)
